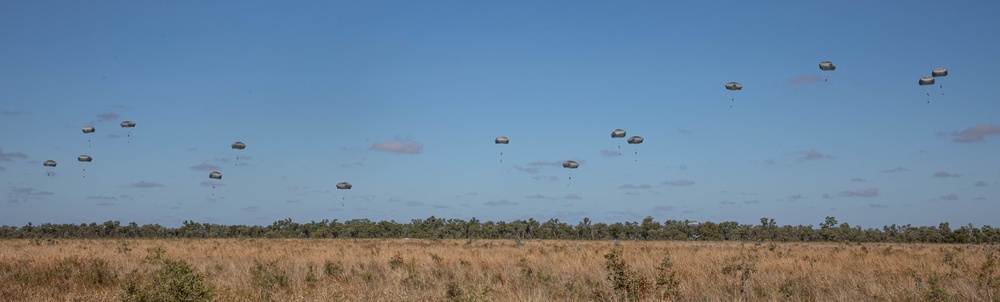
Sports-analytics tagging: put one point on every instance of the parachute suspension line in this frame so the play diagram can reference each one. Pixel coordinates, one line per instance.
(501, 156)
(826, 79)
(732, 100)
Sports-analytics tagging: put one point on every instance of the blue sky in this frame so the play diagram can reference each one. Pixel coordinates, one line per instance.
(404, 100)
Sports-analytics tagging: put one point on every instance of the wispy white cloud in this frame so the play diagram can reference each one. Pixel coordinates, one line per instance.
(110, 116)
(399, 146)
(539, 196)
(205, 167)
(661, 209)
(796, 197)
(250, 209)
(804, 80)
(212, 183)
(679, 183)
(867, 192)
(858, 179)
(949, 197)
(13, 112)
(975, 134)
(980, 184)
(572, 196)
(414, 203)
(8, 156)
(813, 155)
(146, 184)
(611, 153)
(896, 169)
(878, 206)
(529, 170)
(635, 187)
(685, 131)
(501, 202)
(944, 174)
(21, 194)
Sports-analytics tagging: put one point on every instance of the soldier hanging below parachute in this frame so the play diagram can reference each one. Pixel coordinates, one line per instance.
(501, 141)
(49, 163)
(635, 140)
(88, 130)
(84, 159)
(238, 146)
(618, 133)
(128, 124)
(344, 186)
(925, 81)
(733, 86)
(214, 175)
(569, 164)
(827, 66)
(937, 73)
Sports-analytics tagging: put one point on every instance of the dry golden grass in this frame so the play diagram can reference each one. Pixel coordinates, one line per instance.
(502, 270)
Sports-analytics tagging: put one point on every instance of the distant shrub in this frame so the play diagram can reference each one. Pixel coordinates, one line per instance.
(332, 269)
(174, 281)
(632, 285)
(266, 278)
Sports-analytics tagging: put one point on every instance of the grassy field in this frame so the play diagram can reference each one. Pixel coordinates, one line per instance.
(492, 270)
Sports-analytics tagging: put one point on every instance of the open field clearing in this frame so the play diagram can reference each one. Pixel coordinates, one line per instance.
(492, 270)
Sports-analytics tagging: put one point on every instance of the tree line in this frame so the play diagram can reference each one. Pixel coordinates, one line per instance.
(829, 230)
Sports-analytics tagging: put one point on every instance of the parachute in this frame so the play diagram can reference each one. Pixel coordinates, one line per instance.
(344, 186)
(733, 86)
(49, 163)
(827, 66)
(569, 164)
(939, 72)
(635, 140)
(924, 81)
(214, 175)
(84, 159)
(238, 146)
(86, 130)
(618, 133)
(501, 141)
(128, 124)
